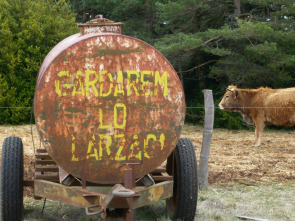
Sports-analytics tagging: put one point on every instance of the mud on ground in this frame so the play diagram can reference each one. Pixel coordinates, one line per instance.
(232, 159)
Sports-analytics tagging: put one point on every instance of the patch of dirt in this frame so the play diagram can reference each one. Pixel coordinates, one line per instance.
(232, 159)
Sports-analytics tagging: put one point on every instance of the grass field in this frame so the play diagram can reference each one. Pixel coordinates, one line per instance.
(270, 202)
(244, 181)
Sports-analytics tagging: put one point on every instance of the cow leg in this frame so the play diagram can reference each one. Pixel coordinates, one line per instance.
(258, 132)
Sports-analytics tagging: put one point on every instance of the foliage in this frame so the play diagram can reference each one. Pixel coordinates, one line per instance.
(249, 51)
(258, 57)
(229, 120)
(28, 30)
(139, 16)
(211, 44)
(195, 113)
(252, 50)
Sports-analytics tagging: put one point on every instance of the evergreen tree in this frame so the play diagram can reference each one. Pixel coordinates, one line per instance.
(251, 50)
(217, 43)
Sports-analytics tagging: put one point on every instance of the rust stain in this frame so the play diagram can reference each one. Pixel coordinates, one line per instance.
(106, 99)
(155, 194)
(66, 194)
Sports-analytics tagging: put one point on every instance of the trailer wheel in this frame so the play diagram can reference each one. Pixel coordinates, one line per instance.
(12, 179)
(182, 164)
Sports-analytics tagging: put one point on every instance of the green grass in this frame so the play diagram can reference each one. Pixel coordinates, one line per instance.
(272, 202)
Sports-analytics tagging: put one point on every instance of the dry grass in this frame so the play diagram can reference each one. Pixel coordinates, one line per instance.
(271, 202)
(233, 160)
(243, 180)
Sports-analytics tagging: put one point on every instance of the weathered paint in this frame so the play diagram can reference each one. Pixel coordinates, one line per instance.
(105, 99)
(85, 198)
(73, 196)
(101, 28)
(154, 193)
(100, 25)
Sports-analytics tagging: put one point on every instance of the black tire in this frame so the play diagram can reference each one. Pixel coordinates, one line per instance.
(182, 164)
(12, 179)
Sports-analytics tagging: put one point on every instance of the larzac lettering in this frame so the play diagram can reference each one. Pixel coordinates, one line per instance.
(103, 84)
(105, 146)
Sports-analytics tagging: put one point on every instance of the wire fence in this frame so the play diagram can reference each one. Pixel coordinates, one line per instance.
(16, 107)
(241, 107)
(252, 147)
(201, 107)
(196, 114)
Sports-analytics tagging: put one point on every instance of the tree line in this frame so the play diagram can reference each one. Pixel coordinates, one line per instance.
(211, 44)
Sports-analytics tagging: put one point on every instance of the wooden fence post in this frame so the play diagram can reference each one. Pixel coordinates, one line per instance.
(207, 135)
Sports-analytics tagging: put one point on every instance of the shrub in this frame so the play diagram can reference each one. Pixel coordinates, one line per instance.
(28, 30)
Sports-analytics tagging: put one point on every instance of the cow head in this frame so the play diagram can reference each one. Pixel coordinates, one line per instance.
(230, 100)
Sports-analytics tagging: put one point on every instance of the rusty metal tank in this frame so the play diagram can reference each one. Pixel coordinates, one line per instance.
(104, 99)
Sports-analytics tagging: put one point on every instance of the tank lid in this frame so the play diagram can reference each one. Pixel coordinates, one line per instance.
(100, 25)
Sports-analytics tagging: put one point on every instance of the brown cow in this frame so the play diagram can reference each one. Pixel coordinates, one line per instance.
(261, 106)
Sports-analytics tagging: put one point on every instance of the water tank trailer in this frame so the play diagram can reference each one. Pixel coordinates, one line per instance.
(109, 109)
